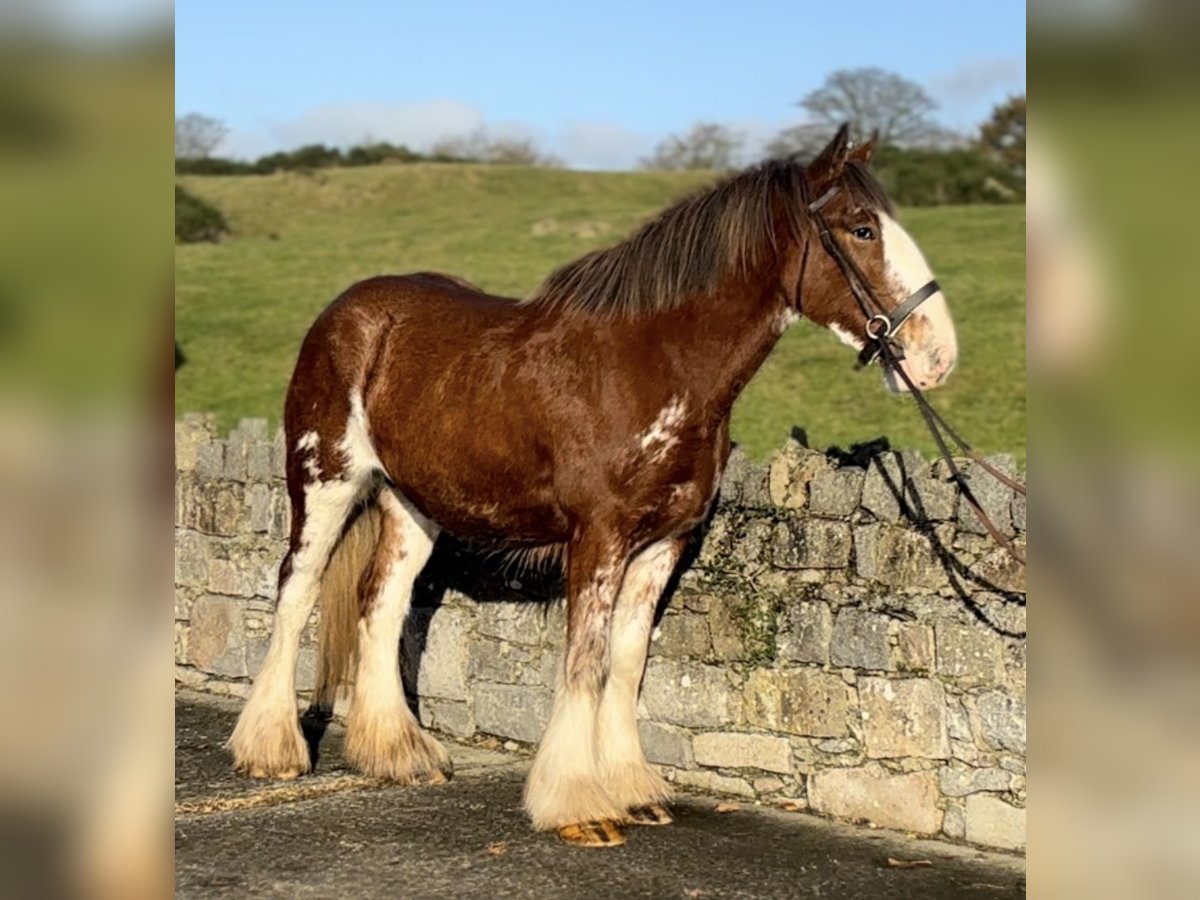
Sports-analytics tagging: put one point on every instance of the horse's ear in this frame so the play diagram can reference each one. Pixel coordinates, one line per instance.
(864, 152)
(829, 163)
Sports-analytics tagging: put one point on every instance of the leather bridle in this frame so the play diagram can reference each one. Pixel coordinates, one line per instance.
(881, 328)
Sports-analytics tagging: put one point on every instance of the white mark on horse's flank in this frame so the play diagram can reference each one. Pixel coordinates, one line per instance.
(356, 446)
(662, 433)
(846, 337)
(307, 444)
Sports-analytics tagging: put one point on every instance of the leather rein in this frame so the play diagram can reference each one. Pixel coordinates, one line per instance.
(882, 344)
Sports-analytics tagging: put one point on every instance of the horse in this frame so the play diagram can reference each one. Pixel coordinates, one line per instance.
(588, 423)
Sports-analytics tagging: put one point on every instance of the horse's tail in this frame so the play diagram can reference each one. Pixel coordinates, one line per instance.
(337, 634)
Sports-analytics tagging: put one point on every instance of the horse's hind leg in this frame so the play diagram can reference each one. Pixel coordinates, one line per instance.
(630, 780)
(267, 742)
(565, 790)
(383, 739)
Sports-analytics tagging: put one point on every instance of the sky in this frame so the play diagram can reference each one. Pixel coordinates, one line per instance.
(598, 84)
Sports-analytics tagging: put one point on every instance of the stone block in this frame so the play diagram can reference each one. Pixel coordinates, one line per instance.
(665, 744)
(227, 509)
(755, 493)
(512, 711)
(191, 559)
(992, 822)
(518, 623)
(860, 640)
(907, 802)
(727, 630)
(805, 702)
(1003, 571)
(258, 507)
(805, 632)
(790, 472)
(959, 781)
(995, 497)
(897, 557)
(836, 492)
(1019, 512)
(258, 462)
(688, 694)
(732, 478)
(954, 823)
(904, 718)
(210, 460)
(279, 454)
(914, 648)
(1001, 720)
(681, 635)
(504, 663)
(235, 456)
(712, 783)
(811, 544)
(216, 638)
(445, 657)
(972, 654)
(882, 488)
(450, 716)
(733, 750)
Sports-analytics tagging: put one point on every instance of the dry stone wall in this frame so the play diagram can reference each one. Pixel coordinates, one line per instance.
(844, 636)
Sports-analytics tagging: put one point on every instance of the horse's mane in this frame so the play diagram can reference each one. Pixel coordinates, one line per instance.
(689, 247)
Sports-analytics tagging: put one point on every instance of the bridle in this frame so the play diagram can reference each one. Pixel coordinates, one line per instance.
(881, 329)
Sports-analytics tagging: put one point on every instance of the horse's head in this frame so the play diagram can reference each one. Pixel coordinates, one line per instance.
(895, 292)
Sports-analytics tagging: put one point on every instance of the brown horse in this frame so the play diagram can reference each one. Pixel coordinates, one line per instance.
(591, 422)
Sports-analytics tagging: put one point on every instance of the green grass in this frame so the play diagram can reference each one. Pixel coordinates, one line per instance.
(243, 306)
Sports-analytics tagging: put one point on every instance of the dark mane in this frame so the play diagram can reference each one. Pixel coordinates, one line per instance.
(688, 248)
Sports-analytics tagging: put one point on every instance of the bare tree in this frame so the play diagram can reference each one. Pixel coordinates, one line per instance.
(804, 141)
(706, 146)
(478, 146)
(874, 100)
(197, 136)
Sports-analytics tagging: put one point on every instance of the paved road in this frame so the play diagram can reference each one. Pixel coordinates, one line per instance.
(334, 834)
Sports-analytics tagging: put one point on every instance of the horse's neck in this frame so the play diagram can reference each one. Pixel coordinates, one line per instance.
(720, 341)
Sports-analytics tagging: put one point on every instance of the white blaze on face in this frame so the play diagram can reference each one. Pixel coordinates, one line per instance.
(931, 348)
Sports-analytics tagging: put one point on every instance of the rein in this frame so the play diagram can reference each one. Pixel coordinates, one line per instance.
(881, 329)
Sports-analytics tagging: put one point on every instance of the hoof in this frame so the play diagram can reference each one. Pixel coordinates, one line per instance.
(289, 774)
(649, 815)
(602, 833)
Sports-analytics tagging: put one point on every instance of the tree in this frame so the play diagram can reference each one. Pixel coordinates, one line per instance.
(197, 136)
(873, 101)
(1002, 137)
(804, 141)
(706, 146)
(479, 146)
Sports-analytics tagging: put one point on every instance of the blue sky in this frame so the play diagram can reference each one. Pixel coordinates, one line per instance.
(598, 84)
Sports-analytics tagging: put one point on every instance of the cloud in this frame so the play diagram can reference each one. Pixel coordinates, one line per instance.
(978, 83)
(418, 125)
(601, 145)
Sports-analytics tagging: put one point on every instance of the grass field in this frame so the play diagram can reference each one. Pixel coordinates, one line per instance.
(243, 306)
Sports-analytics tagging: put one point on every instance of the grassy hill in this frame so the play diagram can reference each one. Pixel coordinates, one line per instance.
(243, 306)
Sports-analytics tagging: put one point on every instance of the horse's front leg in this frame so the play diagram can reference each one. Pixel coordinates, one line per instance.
(629, 779)
(565, 790)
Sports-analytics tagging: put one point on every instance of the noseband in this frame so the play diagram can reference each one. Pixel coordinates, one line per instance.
(881, 328)
(882, 323)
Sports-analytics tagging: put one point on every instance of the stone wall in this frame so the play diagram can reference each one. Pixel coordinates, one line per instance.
(845, 636)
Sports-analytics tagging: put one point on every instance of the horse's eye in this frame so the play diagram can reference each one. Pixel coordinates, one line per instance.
(864, 233)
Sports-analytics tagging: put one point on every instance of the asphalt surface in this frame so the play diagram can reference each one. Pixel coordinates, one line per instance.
(334, 834)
